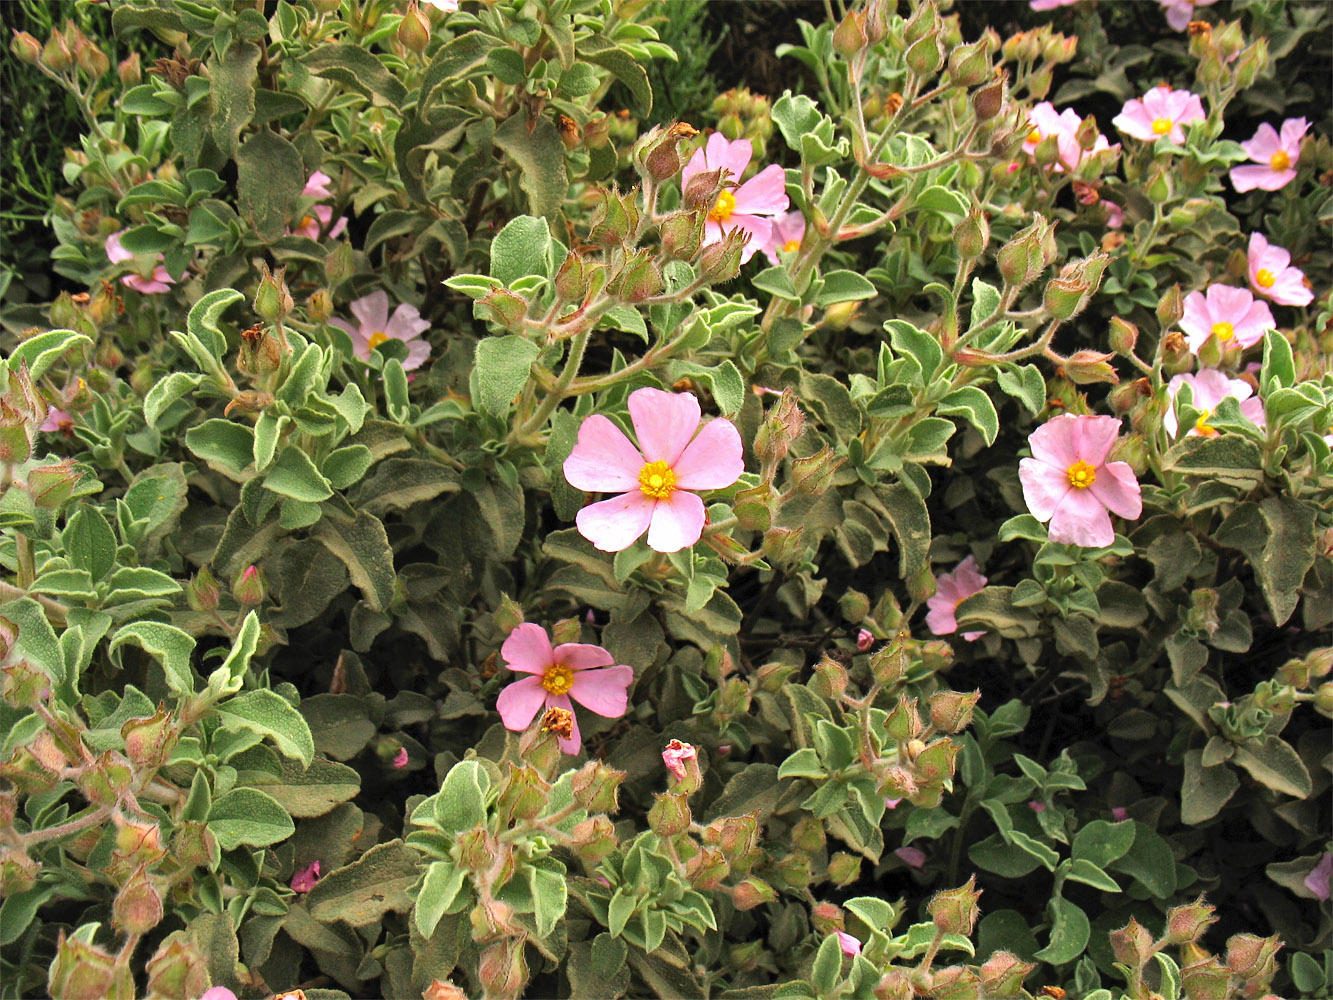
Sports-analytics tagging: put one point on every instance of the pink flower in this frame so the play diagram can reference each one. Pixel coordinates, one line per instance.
(156, 283)
(1119, 813)
(311, 225)
(1160, 112)
(377, 326)
(851, 946)
(891, 803)
(740, 207)
(1179, 13)
(913, 857)
(1224, 312)
(788, 231)
(1273, 277)
(57, 421)
(1050, 4)
(675, 755)
(1210, 387)
(304, 879)
(1115, 215)
(1069, 482)
(1318, 879)
(1277, 154)
(1037, 807)
(400, 758)
(586, 673)
(217, 993)
(951, 589)
(864, 640)
(1046, 122)
(654, 479)
(448, 6)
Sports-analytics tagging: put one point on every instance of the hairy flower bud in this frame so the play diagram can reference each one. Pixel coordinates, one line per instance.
(194, 845)
(1185, 924)
(596, 787)
(130, 70)
(272, 300)
(138, 906)
(414, 29)
(682, 234)
(782, 425)
(51, 486)
(18, 871)
(972, 234)
(784, 547)
(752, 892)
(721, 261)
(1086, 367)
(903, 723)
(659, 151)
(969, 65)
(1132, 945)
(25, 47)
(830, 679)
(1003, 974)
(951, 711)
(849, 37)
(248, 587)
(955, 911)
(844, 869)
(1207, 979)
(593, 839)
(682, 761)
(24, 685)
(1124, 336)
(814, 473)
(502, 969)
(1252, 957)
(616, 220)
(91, 60)
(84, 971)
(524, 793)
(669, 815)
(702, 190)
(639, 278)
(56, 54)
(149, 741)
(924, 56)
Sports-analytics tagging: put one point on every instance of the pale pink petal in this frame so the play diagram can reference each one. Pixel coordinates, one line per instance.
(664, 422)
(713, 460)
(1055, 443)
(418, 352)
(940, 617)
(1289, 289)
(115, 250)
(1253, 322)
(406, 323)
(1117, 489)
(1293, 131)
(527, 649)
(759, 228)
(1044, 487)
(372, 310)
(712, 233)
(217, 993)
(317, 186)
(582, 656)
(849, 945)
(732, 156)
(520, 702)
(614, 524)
(763, 194)
(1320, 879)
(1093, 436)
(604, 690)
(1134, 120)
(360, 343)
(1264, 144)
(677, 522)
(1080, 519)
(1196, 322)
(1265, 178)
(912, 856)
(604, 460)
(339, 227)
(696, 164)
(574, 744)
(1252, 410)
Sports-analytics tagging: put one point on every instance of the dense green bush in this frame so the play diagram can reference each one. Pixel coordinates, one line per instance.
(955, 622)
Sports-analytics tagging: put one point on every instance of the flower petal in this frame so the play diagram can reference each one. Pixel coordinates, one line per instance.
(612, 525)
(520, 702)
(1044, 486)
(763, 194)
(372, 310)
(604, 691)
(406, 323)
(1081, 520)
(604, 460)
(1263, 145)
(664, 422)
(582, 655)
(713, 460)
(1054, 442)
(1117, 489)
(677, 522)
(574, 744)
(1093, 436)
(418, 353)
(940, 618)
(760, 230)
(527, 649)
(732, 156)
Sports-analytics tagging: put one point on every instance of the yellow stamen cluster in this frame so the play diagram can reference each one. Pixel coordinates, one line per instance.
(1264, 278)
(377, 338)
(1082, 475)
(1280, 160)
(791, 246)
(1202, 426)
(1034, 136)
(558, 679)
(1161, 126)
(1223, 331)
(726, 204)
(657, 481)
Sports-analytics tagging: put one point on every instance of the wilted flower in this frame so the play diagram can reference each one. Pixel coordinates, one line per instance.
(304, 879)
(913, 857)
(311, 225)
(676, 754)
(655, 478)
(1318, 879)
(787, 233)
(1045, 121)
(57, 421)
(1226, 313)
(743, 207)
(1272, 276)
(155, 284)
(1069, 482)
(1277, 154)
(864, 640)
(951, 589)
(1210, 387)
(1179, 13)
(850, 945)
(400, 758)
(1160, 112)
(377, 326)
(584, 672)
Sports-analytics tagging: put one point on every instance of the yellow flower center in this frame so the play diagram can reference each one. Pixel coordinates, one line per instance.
(1223, 331)
(1264, 278)
(657, 481)
(726, 204)
(306, 220)
(791, 246)
(1082, 475)
(1034, 136)
(377, 338)
(1161, 126)
(558, 679)
(1203, 427)
(1279, 160)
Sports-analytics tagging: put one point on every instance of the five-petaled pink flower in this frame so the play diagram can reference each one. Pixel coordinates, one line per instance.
(1069, 482)
(788, 231)
(377, 326)
(1045, 121)
(1160, 112)
(850, 945)
(584, 672)
(1226, 313)
(744, 206)
(304, 879)
(1276, 154)
(1209, 387)
(155, 283)
(1273, 277)
(654, 480)
(951, 589)
(675, 756)
(1179, 13)
(319, 217)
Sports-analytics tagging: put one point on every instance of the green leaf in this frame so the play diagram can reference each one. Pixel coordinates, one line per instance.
(166, 392)
(1150, 861)
(73, 584)
(993, 854)
(306, 792)
(918, 344)
(438, 890)
(136, 582)
(40, 352)
(270, 176)
(777, 282)
(502, 368)
(238, 657)
(1278, 370)
(1100, 842)
(270, 715)
(521, 248)
(203, 320)
(1228, 458)
(345, 466)
(604, 53)
(356, 67)
(248, 816)
(340, 723)
(232, 94)
(1275, 536)
(363, 547)
(795, 116)
(169, 645)
(844, 286)
(549, 897)
(461, 802)
(1070, 931)
(534, 144)
(1273, 763)
(1081, 870)
(363, 892)
(906, 513)
(227, 447)
(294, 475)
(827, 968)
(976, 406)
(37, 642)
(1025, 384)
(89, 542)
(1204, 790)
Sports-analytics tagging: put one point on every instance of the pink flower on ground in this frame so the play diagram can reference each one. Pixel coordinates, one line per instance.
(654, 480)
(1179, 13)
(851, 946)
(788, 231)
(1273, 277)
(1318, 879)
(864, 640)
(311, 225)
(586, 673)
(1226, 313)
(57, 421)
(1119, 813)
(1210, 387)
(156, 283)
(1069, 482)
(1160, 112)
(913, 857)
(1278, 155)
(1045, 121)
(951, 589)
(377, 326)
(217, 993)
(743, 207)
(304, 879)
(675, 755)
(400, 758)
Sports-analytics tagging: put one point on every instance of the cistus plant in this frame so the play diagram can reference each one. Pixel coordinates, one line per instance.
(469, 534)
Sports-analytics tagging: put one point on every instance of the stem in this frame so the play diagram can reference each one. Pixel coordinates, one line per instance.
(577, 345)
(65, 829)
(27, 569)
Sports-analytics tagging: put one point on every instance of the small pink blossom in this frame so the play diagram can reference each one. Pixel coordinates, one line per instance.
(217, 993)
(1044, 122)
(156, 283)
(320, 216)
(1069, 482)
(788, 231)
(1277, 154)
(851, 946)
(1210, 387)
(744, 206)
(891, 803)
(1040, 5)
(864, 640)
(400, 758)
(1273, 277)
(1318, 879)
(448, 6)
(304, 879)
(1119, 813)
(674, 456)
(1037, 807)
(377, 326)
(913, 857)
(586, 673)
(1160, 112)
(57, 421)
(1179, 13)
(675, 755)
(1226, 313)
(951, 589)
(1115, 215)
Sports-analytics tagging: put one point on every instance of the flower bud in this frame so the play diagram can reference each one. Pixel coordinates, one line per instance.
(203, 592)
(1132, 945)
(502, 970)
(969, 65)
(849, 37)
(794, 870)
(593, 839)
(596, 787)
(524, 793)
(888, 664)
(956, 982)
(659, 150)
(616, 219)
(104, 782)
(1019, 260)
(808, 834)
(844, 869)
(924, 57)
(855, 606)
(951, 711)
(1003, 974)
(414, 29)
(86, 972)
(721, 261)
(51, 486)
(92, 60)
(540, 746)
(18, 872)
(896, 984)
(566, 630)
(736, 836)
(784, 547)
(272, 300)
(955, 911)
(1086, 367)
(814, 473)
(1186, 923)
(639, 278)
(24, 685)
(1252, 957)
(25, 47)
(706, 869)
(339, 265)
(570, 137)
(752, 892)
(782, 425)
(988, 101)
(149, 741)
(320, 305)
(1170, 307)
(972, 234)
(903, 723)
(441, 989)
(1124, 335)
(56, 54)
(194, 845)
(1207, 979)
(669, 815)
(138, 906)
(248, 587)
(682, 234)
(682, 761)
(129, 70)
(570, 281)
